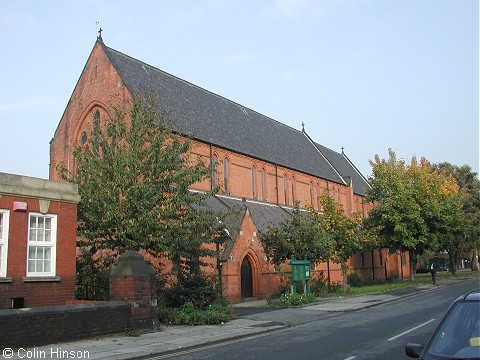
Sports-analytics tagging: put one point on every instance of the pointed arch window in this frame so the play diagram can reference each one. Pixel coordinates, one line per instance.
(293, 190)
(263, 180)
(225, 174)
(312, 196)
(214, 170)
(96, 131)
(285, 191)
(254, 187)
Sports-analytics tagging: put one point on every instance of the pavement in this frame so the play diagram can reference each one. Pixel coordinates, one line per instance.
(254, 319)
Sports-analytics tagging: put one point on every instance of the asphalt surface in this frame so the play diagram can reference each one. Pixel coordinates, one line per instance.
(253, 319)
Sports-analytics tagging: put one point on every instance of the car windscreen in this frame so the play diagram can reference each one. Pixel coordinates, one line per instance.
(458, 336)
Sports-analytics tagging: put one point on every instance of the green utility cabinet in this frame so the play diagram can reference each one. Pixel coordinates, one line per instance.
(300, 273)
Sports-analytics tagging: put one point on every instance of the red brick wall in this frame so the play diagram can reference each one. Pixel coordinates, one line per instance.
(39, 293)
(99, 87)
(50, 325)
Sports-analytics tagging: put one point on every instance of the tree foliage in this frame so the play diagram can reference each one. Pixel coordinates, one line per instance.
(415, 206)
(343, 230)
(330, 235)
(299, 236)
(134, 177)
(465, 240)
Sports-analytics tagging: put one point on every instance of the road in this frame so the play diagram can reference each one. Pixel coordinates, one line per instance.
(379, 332)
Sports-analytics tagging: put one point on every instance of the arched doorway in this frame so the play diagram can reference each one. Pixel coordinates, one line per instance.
(247, 278)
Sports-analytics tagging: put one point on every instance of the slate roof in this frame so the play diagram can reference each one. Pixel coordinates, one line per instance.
(264, 216)
(216, 120)
(345, 167)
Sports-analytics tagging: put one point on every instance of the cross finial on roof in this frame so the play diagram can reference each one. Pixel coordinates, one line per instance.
(342, 150)
(303, 126)
(100, 34)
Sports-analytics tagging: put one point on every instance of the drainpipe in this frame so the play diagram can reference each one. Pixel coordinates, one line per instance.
(401, 266)
(373, 264)
(328, 274)
(219, 268)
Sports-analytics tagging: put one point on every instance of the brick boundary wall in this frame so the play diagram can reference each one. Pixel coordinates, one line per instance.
(52, 324)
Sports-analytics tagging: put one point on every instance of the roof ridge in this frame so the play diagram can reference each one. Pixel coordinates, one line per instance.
(199, 87)
(355, 168)
(326, 159)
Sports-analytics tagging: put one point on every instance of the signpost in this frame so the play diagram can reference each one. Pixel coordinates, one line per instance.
(300, 273)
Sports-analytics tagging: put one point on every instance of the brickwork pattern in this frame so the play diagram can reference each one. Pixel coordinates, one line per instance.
(48, 325)
(100, 87)
(45, 293)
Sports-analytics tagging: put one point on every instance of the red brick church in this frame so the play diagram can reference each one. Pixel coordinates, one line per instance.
(261, 165)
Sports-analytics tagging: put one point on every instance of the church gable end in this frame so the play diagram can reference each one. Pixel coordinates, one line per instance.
(98, 88)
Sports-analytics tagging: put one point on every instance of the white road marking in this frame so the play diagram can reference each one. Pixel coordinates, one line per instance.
(350, 358)
(412, 329)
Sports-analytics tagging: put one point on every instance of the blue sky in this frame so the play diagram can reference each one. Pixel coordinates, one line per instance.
(367, 75)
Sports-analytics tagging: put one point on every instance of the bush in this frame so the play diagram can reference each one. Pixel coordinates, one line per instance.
(198, 290)
(92, 278)
(288, 300)
(188, 314)
(283, 298)
(336, 288)
(354, 279)
(282, 289)
(318, 286)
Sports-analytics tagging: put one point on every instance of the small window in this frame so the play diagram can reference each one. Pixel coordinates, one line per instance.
(225, 174)
(312, 196)
(42, 238)
(4, 219)
(293, 190)
(214, 170)
(96, 131)
(254, 185)
(83, 138)
(263, 179)
(285, 192)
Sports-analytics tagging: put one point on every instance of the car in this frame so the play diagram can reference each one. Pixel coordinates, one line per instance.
(457, 336)
(423, 269)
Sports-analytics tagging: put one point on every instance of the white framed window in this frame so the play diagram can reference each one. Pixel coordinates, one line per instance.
(42, 241)
(4, 221)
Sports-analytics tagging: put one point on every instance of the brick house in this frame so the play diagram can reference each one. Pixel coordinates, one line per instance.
(37, 241)
(261, 166)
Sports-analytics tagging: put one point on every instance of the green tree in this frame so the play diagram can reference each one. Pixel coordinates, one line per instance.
(467, 240)
(134, 177)
(410, 203)
(344, 231)
(299, 236)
